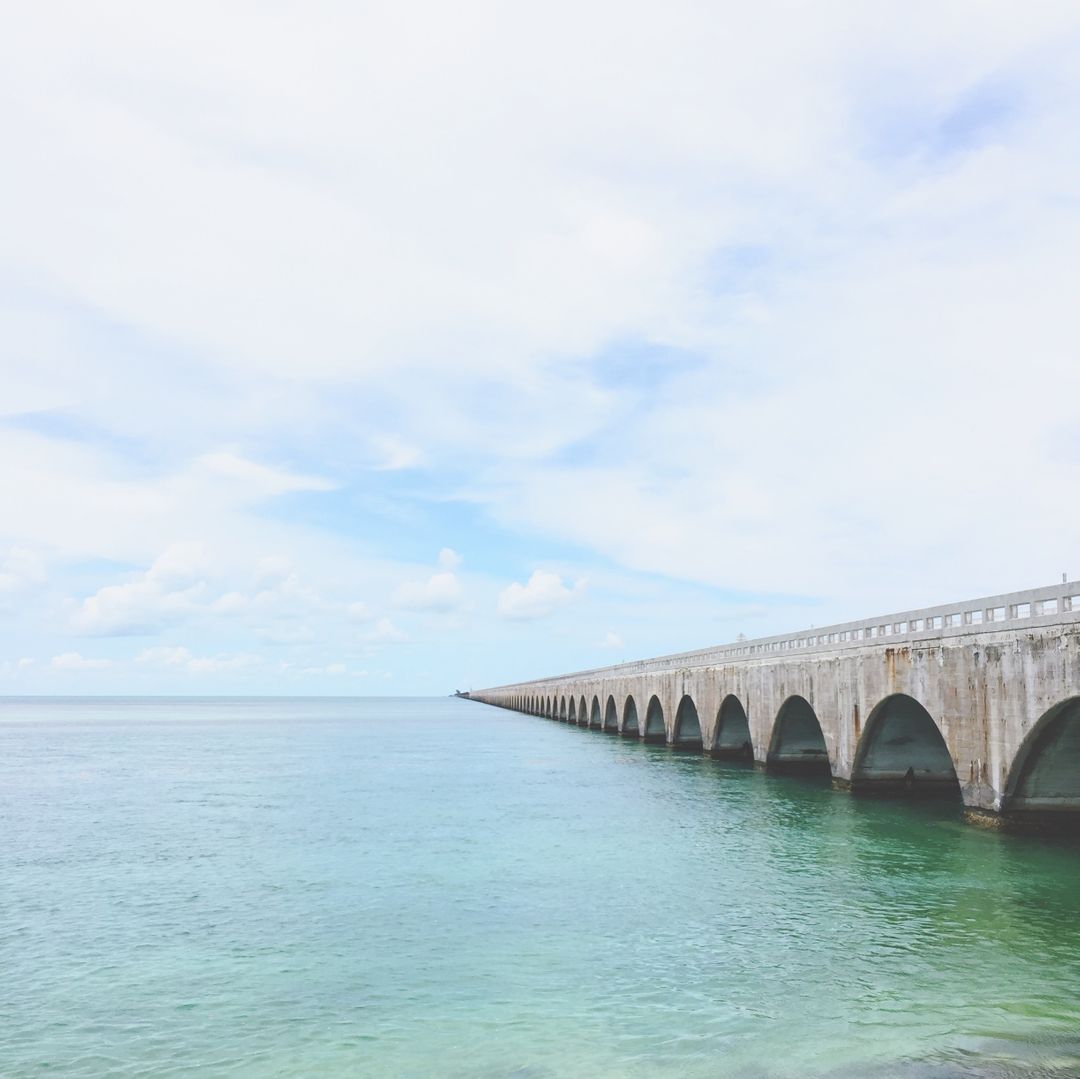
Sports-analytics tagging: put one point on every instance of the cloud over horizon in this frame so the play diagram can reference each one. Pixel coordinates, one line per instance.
(751, 318)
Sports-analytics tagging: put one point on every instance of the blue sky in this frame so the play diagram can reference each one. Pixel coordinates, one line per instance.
(405, 348)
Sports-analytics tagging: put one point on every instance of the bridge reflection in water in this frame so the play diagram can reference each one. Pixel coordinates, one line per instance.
(980, 700)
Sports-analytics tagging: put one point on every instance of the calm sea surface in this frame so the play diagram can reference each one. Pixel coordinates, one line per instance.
(437, 888)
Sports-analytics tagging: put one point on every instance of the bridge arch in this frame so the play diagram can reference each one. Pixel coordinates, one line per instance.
(582, 713)
(630, 723)
(797, 743)
(595, 718)
(571, 715)
(902, 750)
(732, 739)
(687, 725)
(1044, 781)
(611, 715)
(655, 730)
(562, 710)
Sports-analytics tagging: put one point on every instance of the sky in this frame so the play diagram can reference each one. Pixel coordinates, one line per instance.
(396, 348)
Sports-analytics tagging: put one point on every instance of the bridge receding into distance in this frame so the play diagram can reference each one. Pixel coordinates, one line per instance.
(980, 699)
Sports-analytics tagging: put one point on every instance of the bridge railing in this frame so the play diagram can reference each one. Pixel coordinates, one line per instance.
(1036, 607)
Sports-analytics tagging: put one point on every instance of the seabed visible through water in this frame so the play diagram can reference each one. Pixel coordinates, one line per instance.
(427, 887)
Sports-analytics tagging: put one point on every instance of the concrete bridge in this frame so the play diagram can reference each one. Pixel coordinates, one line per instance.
(979, 698)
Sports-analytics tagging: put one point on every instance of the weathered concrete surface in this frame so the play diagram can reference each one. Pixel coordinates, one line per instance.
(993, 698)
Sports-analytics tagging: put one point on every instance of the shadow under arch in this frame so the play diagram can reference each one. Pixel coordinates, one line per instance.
(562, 710)
(583, 713)
(611, 716)
(732, 740)
(797, 745)
(655, 731)
(902, 751)
(630, 718)
(687, 724)
(1043, 787)
(595, 718)
(571, 715)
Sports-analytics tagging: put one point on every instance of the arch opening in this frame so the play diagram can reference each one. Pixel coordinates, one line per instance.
(732, 739)
(687, 725)
(902, 752)
(797, 746)
(583, 713)
(595, 718)
(611, 716)
(630, 718)
(571, 715)
(1044, 784)
(562, 710)
(655, 731)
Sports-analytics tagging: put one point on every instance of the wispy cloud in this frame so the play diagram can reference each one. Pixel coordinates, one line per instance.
(76, 661)
(781, 327)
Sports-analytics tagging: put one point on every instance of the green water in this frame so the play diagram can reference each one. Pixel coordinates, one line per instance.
(438, 888)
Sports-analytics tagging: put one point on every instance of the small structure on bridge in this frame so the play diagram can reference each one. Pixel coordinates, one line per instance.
(981, 699)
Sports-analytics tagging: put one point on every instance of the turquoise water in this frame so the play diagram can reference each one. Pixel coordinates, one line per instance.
(438, 888)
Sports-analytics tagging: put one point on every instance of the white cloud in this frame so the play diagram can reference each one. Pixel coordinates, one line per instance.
(175, 656)
(9, 668)
(395, 455)
(230, 603)
(540, 596)
(223, 662)
(326, 669)
(75, 661)
(183, 582)
(440, 592)
(167, 592)
(360, 612)
(449, 559)
(730, 324)
(182, 658)
(20, 568)
(611, 640)
(385, 630)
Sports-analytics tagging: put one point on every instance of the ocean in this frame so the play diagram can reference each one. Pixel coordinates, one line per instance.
(432, 887)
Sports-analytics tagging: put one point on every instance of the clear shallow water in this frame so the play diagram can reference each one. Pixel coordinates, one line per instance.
(438, 888)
